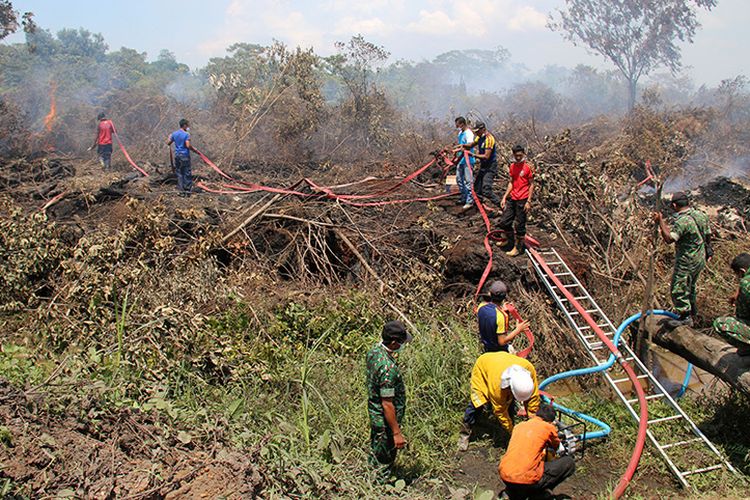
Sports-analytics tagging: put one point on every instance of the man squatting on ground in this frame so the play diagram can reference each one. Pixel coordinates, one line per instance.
(181, 140)
(493, 319)
(487, 156)
(691, 234)
(523, 469)
(520, 191)
(464, 172)
(386, 402)
(736, 329)
(497, 379)
(103, 141)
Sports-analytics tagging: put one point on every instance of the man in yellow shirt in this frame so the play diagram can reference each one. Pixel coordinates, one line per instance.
(498, 379)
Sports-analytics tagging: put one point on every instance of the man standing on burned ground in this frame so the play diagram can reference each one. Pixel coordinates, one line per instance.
(103, 142)
(486, 153)
(691, 234)
(386, 403)
(516, 202)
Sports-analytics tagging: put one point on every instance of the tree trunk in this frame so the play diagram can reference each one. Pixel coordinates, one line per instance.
(704, 351)
(632, 93)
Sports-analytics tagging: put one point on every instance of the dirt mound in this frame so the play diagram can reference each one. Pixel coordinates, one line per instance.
(111, 454)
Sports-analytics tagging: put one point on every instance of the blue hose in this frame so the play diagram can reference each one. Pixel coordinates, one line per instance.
(685, 381)
(606, 429)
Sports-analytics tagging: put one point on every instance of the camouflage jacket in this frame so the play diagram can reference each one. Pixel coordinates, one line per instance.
(383, 381)
(742, 305)
(690, 229)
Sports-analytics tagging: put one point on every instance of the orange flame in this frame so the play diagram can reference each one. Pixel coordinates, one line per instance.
(52, 107)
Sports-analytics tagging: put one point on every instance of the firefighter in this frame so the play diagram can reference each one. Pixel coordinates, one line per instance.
(523, 469)
(497, 380)
(736, 329)
(494, 320)
(691, 234)
(516, 202)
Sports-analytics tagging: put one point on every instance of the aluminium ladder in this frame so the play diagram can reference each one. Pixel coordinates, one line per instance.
(687, 443)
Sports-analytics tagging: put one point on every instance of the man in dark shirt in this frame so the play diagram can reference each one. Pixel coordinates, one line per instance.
(487, 156)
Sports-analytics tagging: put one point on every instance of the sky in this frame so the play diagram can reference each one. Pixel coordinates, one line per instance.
(196, 30)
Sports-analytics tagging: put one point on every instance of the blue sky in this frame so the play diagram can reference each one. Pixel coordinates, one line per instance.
(197, 30)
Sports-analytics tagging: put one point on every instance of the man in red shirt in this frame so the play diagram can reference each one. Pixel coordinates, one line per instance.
(523, 469)
(520, 190)
(103, 142)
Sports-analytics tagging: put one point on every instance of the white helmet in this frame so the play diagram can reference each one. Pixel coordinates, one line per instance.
(520, 382)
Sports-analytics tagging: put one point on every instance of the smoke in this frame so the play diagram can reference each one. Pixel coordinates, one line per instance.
(699, 173)
(190, 89)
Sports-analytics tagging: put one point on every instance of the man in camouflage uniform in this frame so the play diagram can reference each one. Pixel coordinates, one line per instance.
(386, 402)
(736, 329)
(691, 234)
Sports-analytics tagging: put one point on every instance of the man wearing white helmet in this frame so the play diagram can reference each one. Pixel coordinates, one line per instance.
(497, 379)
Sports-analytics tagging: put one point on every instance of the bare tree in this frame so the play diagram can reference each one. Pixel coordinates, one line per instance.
(635, 35)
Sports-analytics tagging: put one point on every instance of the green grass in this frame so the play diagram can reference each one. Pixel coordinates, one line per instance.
(296, 383)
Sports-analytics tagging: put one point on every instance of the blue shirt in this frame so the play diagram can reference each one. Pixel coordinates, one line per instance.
(466, 137)
(180, 137)
(492, 322)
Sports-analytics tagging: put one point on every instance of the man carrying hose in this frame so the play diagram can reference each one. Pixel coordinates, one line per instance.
(494, 320)
(691, 234)
(498, 379)
(464, 173)
(487, 156)
(516, 202)
(181, 140)
(523, 469)
(103, 141)
(386, 403)
(736, 329)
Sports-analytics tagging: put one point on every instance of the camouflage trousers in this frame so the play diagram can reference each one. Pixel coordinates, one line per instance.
(683, 289)
(383, 450)
(735, 331)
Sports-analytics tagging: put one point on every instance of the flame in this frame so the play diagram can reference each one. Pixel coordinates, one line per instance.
(52, 107)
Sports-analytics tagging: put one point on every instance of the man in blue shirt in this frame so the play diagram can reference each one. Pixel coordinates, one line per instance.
(464, 173)
(181, 140)
(494, 320)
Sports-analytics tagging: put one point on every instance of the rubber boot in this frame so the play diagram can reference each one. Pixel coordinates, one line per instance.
(684, 320)
(518, 248)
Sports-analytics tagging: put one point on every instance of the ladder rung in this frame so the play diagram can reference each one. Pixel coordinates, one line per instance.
(582, 297)
(649, 397)
(664, 419)
(704, 469)
(569, 285)
(563, 274)
(680, 443)
(627, 379)
(555, 263)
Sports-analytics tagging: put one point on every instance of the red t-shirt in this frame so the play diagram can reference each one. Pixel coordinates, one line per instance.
(105, 132)
(521, 175)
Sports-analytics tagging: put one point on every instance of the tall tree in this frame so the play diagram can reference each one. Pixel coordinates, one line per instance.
(635, 35)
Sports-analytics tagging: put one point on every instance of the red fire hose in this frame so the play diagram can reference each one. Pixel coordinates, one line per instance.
(643, 405)
(125, 152)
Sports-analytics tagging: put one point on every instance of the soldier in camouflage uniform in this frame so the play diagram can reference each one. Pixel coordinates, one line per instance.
(736, 329)
(386, 402)
(691, 234)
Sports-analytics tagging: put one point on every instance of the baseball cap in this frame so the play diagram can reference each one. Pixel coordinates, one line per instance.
(479, 126)
(395, 330)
